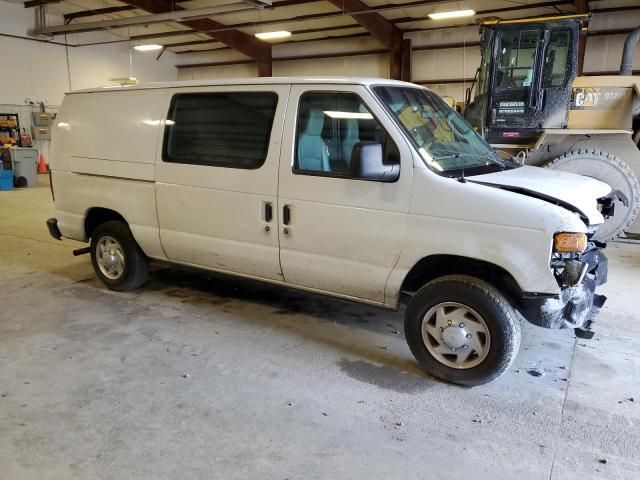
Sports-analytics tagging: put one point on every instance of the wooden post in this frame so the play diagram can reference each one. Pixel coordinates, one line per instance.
(406, 60)
(381, 29)
(582, 6)
(396, 57)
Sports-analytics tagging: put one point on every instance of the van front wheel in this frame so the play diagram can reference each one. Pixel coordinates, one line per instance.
(116, 257)
(462, 330)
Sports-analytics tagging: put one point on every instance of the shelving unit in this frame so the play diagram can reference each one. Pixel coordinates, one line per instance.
(9, 129)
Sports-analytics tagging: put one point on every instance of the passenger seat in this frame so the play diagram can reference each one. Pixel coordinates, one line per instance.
(313, 153)
(351, 138)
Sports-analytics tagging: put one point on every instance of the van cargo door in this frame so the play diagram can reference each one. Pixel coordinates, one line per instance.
(217, 178)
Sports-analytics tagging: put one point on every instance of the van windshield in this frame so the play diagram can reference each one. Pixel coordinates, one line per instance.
(446, 142)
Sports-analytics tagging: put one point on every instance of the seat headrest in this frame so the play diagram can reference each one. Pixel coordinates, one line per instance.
(315, 123)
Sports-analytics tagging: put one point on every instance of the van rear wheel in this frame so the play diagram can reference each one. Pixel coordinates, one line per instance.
(116, 257)
(462, 330)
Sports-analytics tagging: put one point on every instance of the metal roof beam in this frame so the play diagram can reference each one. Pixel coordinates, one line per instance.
(294, 32)
(287, 42)
(97, 12)
(181, 16)
(240, 41)
(39, 3)
(378, 26)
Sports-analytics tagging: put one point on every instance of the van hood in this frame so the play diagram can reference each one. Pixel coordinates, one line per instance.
(574, 192)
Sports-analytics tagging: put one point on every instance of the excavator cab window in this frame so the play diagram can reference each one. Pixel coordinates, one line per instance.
(516, 59)
(557, 58)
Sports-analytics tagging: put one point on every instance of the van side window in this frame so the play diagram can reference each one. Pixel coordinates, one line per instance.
(221, 129)
(333, 128)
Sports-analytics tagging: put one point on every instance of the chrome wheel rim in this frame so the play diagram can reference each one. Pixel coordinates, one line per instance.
(456, 335)
(110, 257)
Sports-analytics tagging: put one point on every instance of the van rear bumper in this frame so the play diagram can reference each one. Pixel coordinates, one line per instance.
(54, 231)
(577, 306)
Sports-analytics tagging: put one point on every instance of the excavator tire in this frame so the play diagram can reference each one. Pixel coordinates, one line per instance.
(609, 169)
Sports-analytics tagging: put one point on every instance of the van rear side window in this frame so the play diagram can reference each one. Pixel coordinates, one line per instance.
(221, 129)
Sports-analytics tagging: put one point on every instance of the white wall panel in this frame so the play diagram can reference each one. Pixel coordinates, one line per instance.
(603, 54)
(225, 71)
(445, 63)
(361, 65)
(38, 70)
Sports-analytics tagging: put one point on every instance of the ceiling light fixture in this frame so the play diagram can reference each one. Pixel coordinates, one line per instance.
(273, 35)
(147, 48)
(348, 115)
(453, 14)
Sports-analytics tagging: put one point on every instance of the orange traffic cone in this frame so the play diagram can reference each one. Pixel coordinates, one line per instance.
(42, 166)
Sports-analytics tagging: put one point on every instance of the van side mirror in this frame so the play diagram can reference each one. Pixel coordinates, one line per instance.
(368, 163)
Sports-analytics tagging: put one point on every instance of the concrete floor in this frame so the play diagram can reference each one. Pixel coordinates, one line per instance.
(198, 376)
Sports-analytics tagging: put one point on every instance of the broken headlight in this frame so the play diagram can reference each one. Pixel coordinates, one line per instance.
(569, 242)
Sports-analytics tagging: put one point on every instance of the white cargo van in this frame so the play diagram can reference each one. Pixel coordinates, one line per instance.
(366, 189)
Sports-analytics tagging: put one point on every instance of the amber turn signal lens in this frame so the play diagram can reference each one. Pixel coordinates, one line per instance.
(569, 242)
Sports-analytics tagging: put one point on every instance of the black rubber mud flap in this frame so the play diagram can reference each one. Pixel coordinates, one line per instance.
(586, 331)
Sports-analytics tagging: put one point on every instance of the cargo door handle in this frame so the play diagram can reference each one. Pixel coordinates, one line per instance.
(268, 212)
(286, 215)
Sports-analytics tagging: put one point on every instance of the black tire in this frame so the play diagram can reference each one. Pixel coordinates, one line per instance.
(20, 182)
(499, 318)
(616, 173)
(136, 264)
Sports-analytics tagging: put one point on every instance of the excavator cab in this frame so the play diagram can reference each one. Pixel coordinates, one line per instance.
(530, 103)
(523, 84)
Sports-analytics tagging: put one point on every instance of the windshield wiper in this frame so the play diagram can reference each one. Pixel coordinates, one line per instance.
(495, 161)
(461, 179)
(477, 155)
(447, 157)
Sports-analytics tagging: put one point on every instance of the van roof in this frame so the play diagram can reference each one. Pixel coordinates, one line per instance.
(250, 81)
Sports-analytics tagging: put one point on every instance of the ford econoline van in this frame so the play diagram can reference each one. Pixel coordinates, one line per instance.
(369, 190)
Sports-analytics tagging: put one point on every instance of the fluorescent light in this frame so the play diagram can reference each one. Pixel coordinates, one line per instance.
(356, 115)
(147, 48)
(453, 14)
(273, 35)
(155, 123)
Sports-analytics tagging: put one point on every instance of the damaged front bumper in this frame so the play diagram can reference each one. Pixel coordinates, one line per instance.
(578, 305)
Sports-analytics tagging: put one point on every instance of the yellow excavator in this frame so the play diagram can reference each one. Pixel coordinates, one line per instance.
(529, 101)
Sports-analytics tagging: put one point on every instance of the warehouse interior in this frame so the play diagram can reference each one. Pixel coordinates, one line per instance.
(199, 374)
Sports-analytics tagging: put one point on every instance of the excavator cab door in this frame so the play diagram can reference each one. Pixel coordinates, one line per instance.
(516, 96)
